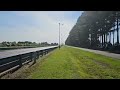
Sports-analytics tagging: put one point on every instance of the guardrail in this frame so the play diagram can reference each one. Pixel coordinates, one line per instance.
(14, 62)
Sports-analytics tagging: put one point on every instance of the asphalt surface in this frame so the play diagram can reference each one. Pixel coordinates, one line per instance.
(113, 55)
(10, 53)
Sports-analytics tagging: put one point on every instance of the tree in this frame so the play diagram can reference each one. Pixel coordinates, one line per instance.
(92, 25)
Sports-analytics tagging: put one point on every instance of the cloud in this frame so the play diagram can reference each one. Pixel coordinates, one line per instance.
(45, 27)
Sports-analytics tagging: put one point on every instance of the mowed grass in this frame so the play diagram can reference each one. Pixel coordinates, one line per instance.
(72, 63)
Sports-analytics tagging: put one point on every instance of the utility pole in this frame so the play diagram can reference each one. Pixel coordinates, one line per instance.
(59, 35)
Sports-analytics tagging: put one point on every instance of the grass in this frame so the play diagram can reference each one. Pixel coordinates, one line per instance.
(72, 63)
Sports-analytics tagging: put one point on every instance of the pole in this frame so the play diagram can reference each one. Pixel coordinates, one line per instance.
(59, 35)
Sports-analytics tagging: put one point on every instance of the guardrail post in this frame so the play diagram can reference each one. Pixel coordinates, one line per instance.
(35, 56)
(45, 52)
(41, 53)
(50, 50)
(31, 56)
(20, 60)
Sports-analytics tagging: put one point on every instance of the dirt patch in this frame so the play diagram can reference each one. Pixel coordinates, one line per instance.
(98, 62)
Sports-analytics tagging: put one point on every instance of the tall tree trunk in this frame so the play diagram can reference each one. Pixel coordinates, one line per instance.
(113, 37)
(106, 37)
(102, 40)
(96, 40)
(110, 37)
(117, 31)
(91, 41)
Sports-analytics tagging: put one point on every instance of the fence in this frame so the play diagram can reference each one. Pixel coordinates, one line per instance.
(15, 62)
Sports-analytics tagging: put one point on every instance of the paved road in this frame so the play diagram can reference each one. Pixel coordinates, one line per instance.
(9, 53)
(113, 55)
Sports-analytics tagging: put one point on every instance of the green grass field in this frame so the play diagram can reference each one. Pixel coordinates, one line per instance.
(71, 63)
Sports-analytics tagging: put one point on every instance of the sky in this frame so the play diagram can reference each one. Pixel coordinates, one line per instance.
(36, 26)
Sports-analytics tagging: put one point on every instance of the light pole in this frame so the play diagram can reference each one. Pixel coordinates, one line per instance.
(59, 34)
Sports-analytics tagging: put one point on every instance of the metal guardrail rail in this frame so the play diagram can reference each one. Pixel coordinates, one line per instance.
(13, 59)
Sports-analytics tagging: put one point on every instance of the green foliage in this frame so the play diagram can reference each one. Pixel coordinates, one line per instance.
(90, 25)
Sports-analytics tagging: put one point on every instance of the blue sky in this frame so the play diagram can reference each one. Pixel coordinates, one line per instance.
(38, 26)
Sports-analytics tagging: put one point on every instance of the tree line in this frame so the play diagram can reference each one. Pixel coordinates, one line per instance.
(94, 29)
(25, 43)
